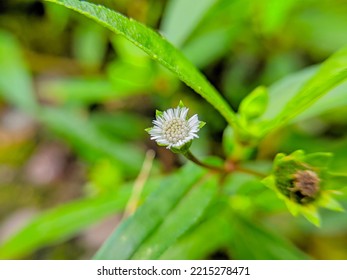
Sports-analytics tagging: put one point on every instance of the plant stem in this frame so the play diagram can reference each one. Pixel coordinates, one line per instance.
(250, 171)
(192, 158)
(226, 169)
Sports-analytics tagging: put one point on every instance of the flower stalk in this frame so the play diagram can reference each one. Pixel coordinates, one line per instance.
(194, 159)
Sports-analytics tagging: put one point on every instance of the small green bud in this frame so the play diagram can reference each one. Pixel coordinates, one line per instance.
(254, 105)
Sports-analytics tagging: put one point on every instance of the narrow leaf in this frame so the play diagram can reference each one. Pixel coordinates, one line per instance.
(311, 214)
(254, 105)
(133, 232)
(15, 82)
(198, 244)
(331, 73)
(187, 213)
(181, 17)
(253, 241)
(156, 47)
(85, 138)
(65, 221)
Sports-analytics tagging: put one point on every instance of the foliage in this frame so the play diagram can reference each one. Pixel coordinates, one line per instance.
(274, 109)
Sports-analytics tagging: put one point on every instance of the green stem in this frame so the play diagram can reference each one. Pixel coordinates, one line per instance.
(192, 158)
(225, 170)
(250, 171)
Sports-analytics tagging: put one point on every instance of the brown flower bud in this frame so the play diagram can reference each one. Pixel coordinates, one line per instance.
(306, 183)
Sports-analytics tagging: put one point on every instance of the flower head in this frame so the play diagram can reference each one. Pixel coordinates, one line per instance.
(304, 183)
(173, 129)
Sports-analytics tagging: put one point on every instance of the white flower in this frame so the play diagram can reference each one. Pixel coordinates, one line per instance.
(173, 130)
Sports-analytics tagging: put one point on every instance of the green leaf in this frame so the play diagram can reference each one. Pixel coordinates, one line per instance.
(254, 105)
(201, 124)
(282, 91)
(272, 14)
(158, 113)
(270, 182)
(79, 90)
(216, 33)
(251, 241)
(144, 226)
(15, 82)
(228, 140)
(335, 98)
(311, 26)
(156, 47)
(293, 207)
(336, 181)
(128, 77)
(209, 47)
(328, 202)
(198, 244)
(310, 212)
(187, 213)
(65, 221)
(59, 224)
(104, 177)
(89, 90)
(332, 72)
(128, 51)
(117, 124)
(89, 141)
(320, 160)
(285, 89)
(89, 44)
(181, 17)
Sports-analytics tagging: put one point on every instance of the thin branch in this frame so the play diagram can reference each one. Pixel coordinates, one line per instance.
(250, 171)
(191, 157)
(229, 167)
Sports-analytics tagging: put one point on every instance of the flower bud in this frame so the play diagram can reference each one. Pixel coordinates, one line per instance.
(304, 183)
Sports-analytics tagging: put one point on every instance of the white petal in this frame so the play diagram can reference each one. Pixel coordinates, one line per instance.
(167, 115)
(194, 120)
(184, 112)
(158, 123)
(177, 112)
(171, 113)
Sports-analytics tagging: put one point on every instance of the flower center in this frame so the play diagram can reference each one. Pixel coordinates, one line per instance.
(175, 130)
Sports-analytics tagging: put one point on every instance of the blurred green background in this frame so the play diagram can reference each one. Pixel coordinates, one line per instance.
(75, 100)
